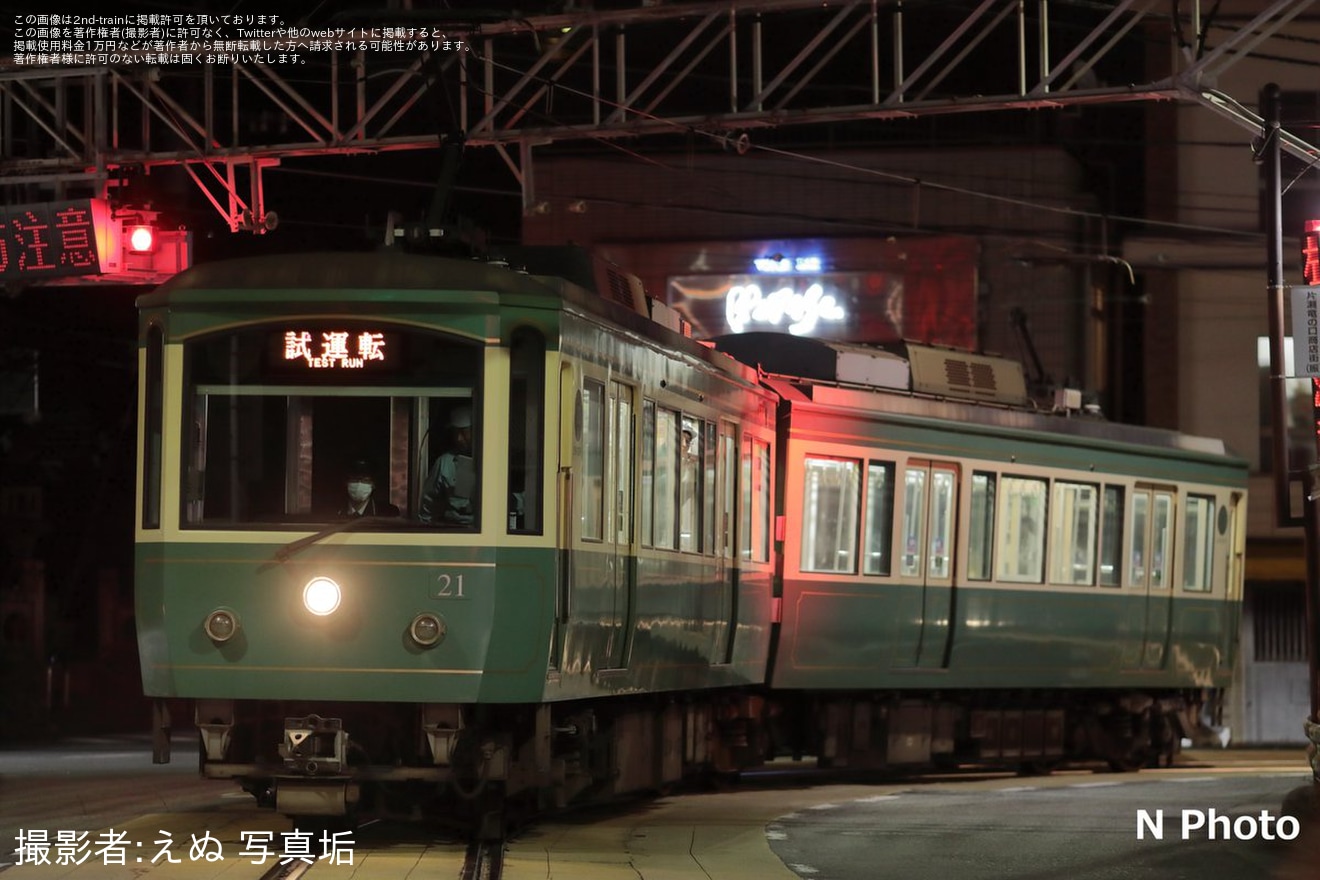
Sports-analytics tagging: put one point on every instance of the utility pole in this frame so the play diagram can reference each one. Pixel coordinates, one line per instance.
(1304, 800)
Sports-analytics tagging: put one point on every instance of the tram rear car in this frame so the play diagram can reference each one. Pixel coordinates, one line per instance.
(580, 628)
(967, 579)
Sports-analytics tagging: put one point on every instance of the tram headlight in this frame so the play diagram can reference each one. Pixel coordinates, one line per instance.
(221, 625)
(321, 596)
(427, 629)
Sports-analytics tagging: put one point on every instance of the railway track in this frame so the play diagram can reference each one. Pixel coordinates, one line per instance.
(292, 871)
(484, 860)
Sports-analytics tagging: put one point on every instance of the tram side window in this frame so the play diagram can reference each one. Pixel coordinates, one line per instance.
(981, 527)
(526, 430)
(708, 490)
(1072, 533)
(1140, 517)
(1111, 537)
(1198, 543)
(756, 500)
(666, 478)
(830, 502)
(647, 536)
(591, 440)
(745, 502)
(761, 545)
(690, 486)
(728, 459)
(1161, 540)
(879, 548)
(914, 520)
(1021, 536)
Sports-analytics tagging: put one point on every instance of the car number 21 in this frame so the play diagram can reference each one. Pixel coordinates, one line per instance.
(448, 586)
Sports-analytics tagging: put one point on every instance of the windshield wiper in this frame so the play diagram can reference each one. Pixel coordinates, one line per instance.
(348, 525)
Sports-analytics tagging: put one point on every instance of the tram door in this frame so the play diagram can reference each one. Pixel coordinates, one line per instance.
(620, 459)
(1150, 570)
(726, 544)
(1236, 540)
(597, 573)
(930, 507)
(570, 417)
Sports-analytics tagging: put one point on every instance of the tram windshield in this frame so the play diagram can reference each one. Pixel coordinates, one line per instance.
(313, 421)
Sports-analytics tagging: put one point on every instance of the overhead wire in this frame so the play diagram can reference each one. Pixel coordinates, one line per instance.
(907, 179)
(848, 167)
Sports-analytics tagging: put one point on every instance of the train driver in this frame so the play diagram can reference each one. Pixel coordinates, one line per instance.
(360, 486)
(447, 495)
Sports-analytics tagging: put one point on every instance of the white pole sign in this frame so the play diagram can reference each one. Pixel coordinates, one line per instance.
(1306, 330)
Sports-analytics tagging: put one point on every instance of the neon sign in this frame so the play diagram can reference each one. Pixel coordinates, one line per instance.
(746, 304)
(778, 265)
(332, 350)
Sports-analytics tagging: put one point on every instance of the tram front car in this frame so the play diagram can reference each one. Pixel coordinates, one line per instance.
(332, 660)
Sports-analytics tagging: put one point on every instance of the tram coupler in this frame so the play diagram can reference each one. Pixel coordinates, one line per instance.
(314, 746)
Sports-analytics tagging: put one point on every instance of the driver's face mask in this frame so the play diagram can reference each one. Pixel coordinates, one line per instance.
(359, 492)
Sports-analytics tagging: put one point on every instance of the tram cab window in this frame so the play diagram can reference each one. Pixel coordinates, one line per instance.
(279, 413)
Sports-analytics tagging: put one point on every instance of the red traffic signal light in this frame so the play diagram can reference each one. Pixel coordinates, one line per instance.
(141, 239)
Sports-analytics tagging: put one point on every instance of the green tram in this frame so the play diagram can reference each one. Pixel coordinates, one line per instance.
(967, 578)
(615, 543)
(655, 558)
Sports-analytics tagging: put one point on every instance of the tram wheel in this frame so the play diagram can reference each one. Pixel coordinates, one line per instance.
(1041, 767)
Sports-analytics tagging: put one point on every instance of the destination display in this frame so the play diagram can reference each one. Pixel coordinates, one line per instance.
(54, 239)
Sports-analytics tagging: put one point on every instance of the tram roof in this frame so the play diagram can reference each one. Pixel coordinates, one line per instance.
(376, 271)
(913, 381)
(903, 366)
(553, 274)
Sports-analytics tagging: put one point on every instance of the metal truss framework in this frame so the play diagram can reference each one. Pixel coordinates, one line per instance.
(717, 69)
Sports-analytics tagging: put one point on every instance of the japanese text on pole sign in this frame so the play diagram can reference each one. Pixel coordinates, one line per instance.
(1306, 331)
